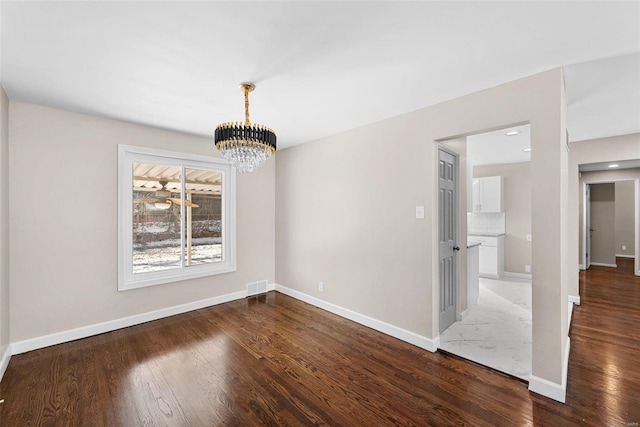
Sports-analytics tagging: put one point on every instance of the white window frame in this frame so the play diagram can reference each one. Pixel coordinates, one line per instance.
(127, 156)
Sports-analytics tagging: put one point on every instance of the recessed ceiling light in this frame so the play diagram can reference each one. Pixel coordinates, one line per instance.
(614, 165)
(512, 132)
(526, 150)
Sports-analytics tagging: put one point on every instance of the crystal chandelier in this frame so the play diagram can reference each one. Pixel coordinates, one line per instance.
(245, 145)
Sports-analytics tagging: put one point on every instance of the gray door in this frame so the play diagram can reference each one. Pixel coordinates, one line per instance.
(447, 200)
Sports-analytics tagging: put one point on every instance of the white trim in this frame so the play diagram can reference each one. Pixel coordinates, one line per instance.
(518, 275)
(4, 361)
(386, 328)
(574, 299)
(581, 267)
(435, 343)
(625, 256)
(464, 314)
(550, 389)
(112, 325)
(127, 156)
(602, 264)
(569, 315)
(636, 263)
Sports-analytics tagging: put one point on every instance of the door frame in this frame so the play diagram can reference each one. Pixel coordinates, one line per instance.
(456, 233)
(586, 230)
(584, 248)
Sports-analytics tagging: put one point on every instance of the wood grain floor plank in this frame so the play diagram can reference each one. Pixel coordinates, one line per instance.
(273, 360)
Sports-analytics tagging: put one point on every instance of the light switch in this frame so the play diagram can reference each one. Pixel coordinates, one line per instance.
(419, 212)
(528, 237)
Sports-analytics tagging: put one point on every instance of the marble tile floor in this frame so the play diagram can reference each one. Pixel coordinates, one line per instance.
(497, 332)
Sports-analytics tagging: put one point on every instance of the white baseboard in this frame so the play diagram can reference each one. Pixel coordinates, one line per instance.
(625, 256)
(602, 264)
(464, 314)
(569, 314)
(581, 267)
(518, 275)
(112, 325)
(4, 361)
(550, 389)
(574, 299)
(386, 328)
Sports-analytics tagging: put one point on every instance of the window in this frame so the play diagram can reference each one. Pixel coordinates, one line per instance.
(176, 217)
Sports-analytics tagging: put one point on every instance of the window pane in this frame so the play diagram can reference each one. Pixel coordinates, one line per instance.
(203, 233)
(156, 217)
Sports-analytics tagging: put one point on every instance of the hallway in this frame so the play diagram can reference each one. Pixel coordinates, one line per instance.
(605, 340)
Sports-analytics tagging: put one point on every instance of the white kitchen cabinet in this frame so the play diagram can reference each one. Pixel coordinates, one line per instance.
(473, 275)
(488, 261)
(491, 255)
(488, 194)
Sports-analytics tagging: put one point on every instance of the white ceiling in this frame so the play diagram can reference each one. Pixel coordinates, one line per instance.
(492, 148)
(320, 67)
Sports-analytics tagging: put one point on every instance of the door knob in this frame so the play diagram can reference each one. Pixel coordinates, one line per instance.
(456, 248)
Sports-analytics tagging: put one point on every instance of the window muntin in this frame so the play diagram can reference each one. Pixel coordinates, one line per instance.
(176, 217)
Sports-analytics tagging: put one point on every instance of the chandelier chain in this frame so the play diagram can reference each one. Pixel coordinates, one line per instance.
(246, 106)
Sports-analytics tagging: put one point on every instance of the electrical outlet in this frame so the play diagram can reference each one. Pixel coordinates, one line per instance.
(527, 268)
(624, 247)
(419, 212)
(528, 237)
(320, 286)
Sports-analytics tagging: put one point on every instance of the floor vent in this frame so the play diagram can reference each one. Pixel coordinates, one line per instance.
(256, 288)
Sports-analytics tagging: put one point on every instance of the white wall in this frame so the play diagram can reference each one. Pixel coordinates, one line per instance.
(64, 222)
(4, 226)
(345, 212)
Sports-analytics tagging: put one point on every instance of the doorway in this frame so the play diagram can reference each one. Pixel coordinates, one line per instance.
(612, 194)
(494, 326)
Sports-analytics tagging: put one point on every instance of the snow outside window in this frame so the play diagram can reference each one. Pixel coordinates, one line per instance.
(176, 217)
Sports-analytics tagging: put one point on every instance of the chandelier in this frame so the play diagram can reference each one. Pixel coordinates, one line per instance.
(245, 145)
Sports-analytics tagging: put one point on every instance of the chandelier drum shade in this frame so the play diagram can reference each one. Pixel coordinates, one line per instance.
(245, 145)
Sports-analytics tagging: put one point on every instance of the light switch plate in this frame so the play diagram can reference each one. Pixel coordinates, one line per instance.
(528, 237)
(419, 212)
(624, 247)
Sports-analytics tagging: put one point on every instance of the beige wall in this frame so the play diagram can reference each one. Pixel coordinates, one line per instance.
(517, 208)
(345, 211)
(4, 224)
(619, 176)
(64, 222)
(603, 223)
(625, 217)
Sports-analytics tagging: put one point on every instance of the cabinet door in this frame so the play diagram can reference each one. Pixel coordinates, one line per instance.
(491, 194)
(477, 182)
(488, 260)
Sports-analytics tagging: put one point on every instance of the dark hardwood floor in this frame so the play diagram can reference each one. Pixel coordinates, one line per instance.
(273, 360)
